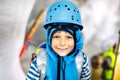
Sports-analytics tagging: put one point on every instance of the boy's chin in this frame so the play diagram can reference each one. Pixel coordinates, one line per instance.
(62, 54)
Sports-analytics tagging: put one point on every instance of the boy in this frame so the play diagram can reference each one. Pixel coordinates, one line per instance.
(61, 57)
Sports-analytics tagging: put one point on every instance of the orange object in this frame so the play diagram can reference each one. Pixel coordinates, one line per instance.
(32, 31)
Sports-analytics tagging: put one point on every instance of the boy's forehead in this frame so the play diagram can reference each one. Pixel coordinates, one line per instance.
(61, 31)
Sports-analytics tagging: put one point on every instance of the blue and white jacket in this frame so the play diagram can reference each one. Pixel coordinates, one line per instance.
(37, 70)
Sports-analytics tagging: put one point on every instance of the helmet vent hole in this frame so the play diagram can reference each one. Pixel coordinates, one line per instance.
(77, 20)
(55, 9)
(50, 10)
(74, 10)
(58, 5)
(51, 17)
(72, 17)
(65, 5)
(68, 9)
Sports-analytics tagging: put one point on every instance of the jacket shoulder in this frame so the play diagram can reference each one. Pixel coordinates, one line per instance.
(41, 52)
(41, 48)
(79, 62)
(41, 59)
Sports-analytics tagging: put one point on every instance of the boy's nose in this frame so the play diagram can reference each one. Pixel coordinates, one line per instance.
(62, 42)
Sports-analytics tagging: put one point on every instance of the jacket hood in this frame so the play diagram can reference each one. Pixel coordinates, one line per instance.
(78, 39)
(60, 68)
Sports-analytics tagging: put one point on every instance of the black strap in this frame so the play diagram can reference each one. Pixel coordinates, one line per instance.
(58, 69)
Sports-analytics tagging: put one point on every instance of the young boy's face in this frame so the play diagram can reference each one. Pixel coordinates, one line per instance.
(62, 43)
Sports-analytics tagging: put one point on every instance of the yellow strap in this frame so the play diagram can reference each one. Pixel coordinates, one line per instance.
(37, 51)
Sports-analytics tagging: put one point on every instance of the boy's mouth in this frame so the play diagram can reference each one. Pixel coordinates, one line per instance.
(62, 49)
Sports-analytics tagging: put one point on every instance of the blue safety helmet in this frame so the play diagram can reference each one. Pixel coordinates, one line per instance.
(63, 12)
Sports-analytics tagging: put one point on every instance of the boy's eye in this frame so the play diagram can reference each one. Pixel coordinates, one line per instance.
(55, 36)
(69, 37)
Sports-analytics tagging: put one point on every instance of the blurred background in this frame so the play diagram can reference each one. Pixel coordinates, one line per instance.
(21, 27)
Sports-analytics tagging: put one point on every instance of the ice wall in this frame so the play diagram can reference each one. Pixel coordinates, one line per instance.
(14, 16)
(101, 20)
